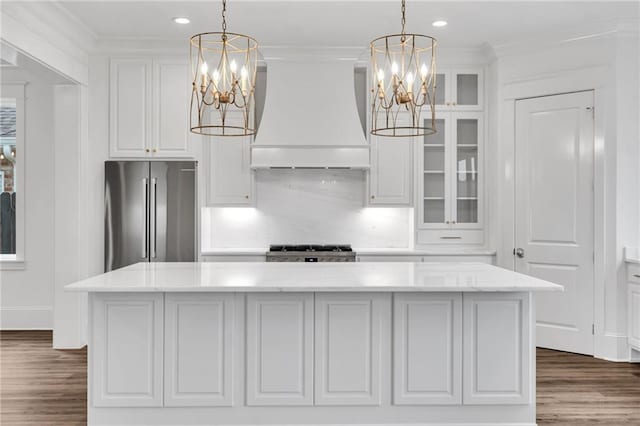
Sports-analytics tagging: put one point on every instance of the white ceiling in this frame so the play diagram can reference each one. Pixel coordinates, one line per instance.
(348, 23)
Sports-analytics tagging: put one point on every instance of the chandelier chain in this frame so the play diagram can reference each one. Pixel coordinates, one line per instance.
(403, 17)
(224, 16)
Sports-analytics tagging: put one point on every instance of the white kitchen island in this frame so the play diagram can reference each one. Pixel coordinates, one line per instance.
(312, 344)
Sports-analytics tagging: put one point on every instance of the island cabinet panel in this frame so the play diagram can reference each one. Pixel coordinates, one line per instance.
(280, 349)
(498, 342)
(198, 349)
(126, 350)
(348, 348)
(427, 349)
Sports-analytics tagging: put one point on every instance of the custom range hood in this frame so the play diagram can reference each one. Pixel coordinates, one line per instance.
(310, 117)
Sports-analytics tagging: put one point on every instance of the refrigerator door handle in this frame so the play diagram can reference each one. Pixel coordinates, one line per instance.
(145, 219)
(154, 203)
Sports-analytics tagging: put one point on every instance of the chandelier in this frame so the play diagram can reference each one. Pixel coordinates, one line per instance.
(223, 67)
(403, 82)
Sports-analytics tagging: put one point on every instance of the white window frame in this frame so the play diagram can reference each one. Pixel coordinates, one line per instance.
(17, 91)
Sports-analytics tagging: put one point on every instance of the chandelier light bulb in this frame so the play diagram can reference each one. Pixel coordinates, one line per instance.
(381, 76)
(216, 77)
(233, 66)
(204, 68)
(424, 71)
(409, 79)
(243, 80)
(394, 68)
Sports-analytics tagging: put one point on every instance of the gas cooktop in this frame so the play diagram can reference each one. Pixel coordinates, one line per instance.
(310, 248)
(311, 253)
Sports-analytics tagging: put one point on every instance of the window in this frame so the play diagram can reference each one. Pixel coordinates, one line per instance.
(11, 173)
(8, 183)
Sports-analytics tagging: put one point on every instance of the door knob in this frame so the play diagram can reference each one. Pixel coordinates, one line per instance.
(519, 252)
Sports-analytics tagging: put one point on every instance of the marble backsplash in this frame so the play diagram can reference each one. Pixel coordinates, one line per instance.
(307, 206)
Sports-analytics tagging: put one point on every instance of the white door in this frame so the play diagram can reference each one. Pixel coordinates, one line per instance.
(554, 214)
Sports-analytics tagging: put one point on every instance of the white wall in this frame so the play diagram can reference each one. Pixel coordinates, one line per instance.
(307, 207)
(26, 296)
(617, 145)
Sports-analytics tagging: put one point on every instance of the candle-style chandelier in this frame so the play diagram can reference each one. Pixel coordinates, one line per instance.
(223, 67)
(403, 82)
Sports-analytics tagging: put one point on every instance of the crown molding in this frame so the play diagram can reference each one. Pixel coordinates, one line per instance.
(44, 32)
(595, 31)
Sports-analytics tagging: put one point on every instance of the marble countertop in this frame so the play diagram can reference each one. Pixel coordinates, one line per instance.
(313, 277)
(364, 252)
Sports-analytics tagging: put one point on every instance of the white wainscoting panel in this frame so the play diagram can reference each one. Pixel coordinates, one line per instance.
(198, 349)
(497, 342)
(126, 350)
(347, 348)
(427, 349)
(634, 315)
(280, 349)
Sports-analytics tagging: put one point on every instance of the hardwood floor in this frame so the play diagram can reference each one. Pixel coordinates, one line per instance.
(40, 385)
(579, 390)
(43, 386)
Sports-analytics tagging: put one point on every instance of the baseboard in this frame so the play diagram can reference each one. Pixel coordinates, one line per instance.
(612, 347)
(26, 318)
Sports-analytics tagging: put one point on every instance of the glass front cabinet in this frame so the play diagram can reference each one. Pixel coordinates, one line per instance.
(450, 188)
(459, 89)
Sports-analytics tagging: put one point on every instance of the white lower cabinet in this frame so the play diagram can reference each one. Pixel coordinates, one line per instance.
(131, 377)
(198, 359)
(322, 349)
(279, 349)
(497, 358)
(348, 348)
(427, 349)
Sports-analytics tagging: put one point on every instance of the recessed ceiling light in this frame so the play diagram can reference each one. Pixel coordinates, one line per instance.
(181, 20)
(439, 23)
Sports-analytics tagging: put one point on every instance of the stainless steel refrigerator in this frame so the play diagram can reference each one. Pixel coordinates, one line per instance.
(150, 212)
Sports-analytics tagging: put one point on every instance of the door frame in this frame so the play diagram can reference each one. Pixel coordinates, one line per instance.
(605, 344)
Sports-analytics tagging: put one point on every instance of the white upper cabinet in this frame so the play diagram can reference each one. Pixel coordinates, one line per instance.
(171, 103)
(130, 107)
(390, 177)
(229, 176)
(149, 108)
(450, 188)
(459, 89)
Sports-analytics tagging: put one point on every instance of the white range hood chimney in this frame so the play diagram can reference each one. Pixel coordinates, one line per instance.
(310, 116)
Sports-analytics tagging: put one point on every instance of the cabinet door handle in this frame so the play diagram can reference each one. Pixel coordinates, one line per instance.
(450, 238)
(147, 150)
(636, 275)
